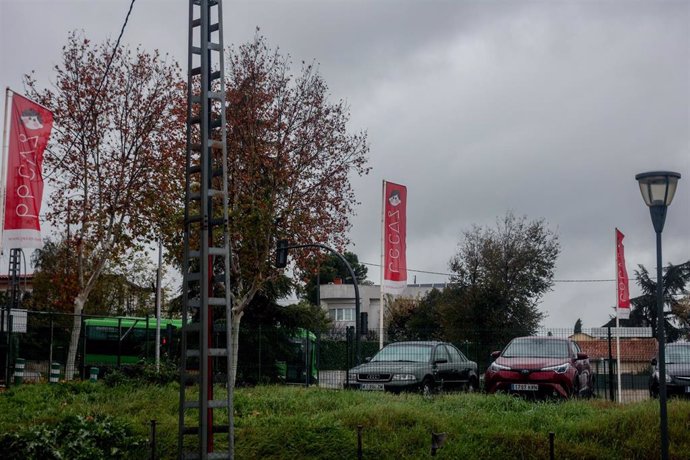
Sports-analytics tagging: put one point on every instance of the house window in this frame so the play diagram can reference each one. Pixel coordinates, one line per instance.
(342, 314)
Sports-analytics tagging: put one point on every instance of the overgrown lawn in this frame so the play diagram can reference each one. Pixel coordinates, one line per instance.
(297, 423)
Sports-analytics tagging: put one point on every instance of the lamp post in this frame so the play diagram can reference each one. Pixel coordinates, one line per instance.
(658, 188)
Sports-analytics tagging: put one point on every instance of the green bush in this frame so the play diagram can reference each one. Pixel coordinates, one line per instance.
(143, 372)
(75, 437)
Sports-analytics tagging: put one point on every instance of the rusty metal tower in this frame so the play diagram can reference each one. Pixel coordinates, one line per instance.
(206, 425)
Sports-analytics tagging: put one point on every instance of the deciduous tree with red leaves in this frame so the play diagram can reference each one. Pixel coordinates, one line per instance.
(116, 158)
(291, 158)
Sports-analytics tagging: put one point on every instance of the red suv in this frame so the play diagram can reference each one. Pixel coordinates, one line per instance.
(540, 366)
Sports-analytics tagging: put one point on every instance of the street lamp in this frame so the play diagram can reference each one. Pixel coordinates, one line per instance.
(658, 188)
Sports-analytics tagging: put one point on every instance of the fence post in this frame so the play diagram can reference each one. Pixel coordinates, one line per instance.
(153, 440)
(610, 366)
(318, 357)
(50, 352)
(10, 348)
(359, 442)
(307, 359)
(19, 371)
(83, 347)
(146, 340)
(552, 451)
(348, 339)
(261, 339)
(54, 372)
(119, 341)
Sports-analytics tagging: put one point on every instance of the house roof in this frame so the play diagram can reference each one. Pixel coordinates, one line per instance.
(635, 349)
(28, 276)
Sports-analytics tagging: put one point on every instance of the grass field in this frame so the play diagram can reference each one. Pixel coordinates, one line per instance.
(298, 423)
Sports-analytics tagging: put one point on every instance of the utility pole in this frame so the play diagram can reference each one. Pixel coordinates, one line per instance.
(206, 266)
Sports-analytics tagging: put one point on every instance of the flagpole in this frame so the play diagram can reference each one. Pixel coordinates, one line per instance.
(618, 333)
(3, 158)
(383, 232)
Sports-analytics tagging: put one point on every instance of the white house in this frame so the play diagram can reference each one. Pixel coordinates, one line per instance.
(339, 301)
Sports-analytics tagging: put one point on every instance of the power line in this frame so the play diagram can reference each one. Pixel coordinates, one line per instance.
(100, 85)
(555, 281)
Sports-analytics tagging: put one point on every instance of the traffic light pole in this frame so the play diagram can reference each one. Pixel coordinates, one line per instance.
(281, 261)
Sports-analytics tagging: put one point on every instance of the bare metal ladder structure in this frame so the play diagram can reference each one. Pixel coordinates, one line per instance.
(206, 425)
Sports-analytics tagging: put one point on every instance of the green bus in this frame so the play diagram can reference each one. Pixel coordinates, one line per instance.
(127, 340)
(299, 364)
(114, 341)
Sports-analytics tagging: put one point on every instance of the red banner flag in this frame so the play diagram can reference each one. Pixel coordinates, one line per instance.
(623, 293)
(394, 235)
(30, 126)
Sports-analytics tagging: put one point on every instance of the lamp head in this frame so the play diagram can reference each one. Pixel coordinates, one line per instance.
(658, 187)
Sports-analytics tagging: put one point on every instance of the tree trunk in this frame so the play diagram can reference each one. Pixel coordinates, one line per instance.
(74, 340)
(79, 303)
(236, 318)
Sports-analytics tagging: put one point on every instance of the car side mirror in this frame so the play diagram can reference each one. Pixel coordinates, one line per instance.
(582, 356)
(495, 354)
(367, 359)
(441, 361)
(654, 361)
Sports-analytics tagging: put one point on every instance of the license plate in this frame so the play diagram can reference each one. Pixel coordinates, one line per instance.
(524, 387)
(371, 387)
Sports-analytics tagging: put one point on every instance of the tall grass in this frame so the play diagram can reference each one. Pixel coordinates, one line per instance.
(298, 423)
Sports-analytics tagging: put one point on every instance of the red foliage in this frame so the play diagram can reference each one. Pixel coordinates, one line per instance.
(290, 158)
(115, 161)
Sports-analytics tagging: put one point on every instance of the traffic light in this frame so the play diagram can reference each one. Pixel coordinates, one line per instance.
(281, 253)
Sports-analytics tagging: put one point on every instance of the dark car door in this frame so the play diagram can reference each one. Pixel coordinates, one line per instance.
(461, 366)
(444, 367)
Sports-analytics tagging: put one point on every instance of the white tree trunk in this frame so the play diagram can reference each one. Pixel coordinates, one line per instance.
(236, 318)
(74, 340)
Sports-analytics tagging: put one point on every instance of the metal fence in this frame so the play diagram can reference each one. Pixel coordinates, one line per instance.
(42, 339)
(270, 354)
(607, 350)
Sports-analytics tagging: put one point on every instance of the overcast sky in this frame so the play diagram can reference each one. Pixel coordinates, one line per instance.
(544, 108)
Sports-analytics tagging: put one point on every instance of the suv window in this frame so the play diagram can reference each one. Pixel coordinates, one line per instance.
(441, 353)
(575, 348)
(455, 355)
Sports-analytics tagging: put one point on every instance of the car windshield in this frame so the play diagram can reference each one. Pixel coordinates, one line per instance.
(404, 352)
(678, 355)
(536, 348)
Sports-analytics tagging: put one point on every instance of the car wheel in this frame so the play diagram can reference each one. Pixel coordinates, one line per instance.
(427, 387)
(472, 386)
(654, 390)
(578, 390)
(581, 391)
(591, 393)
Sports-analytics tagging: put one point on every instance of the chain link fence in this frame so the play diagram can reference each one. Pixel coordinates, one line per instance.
(270, 354)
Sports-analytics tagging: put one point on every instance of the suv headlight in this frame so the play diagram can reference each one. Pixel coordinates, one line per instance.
(404, 377)
(498, 367)
(352, 376)
(669, 378)
(560, 369)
